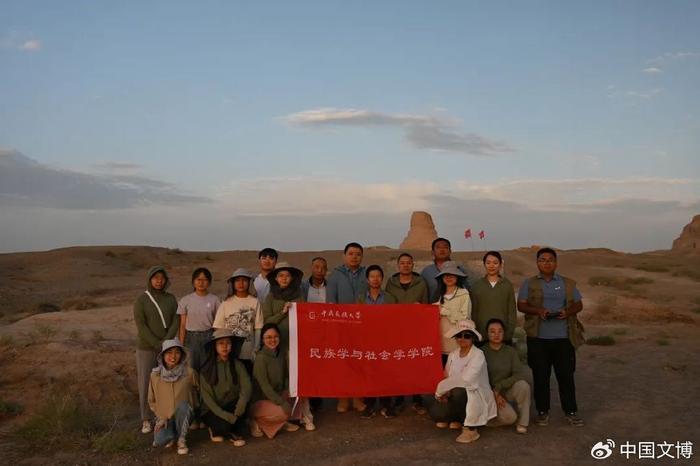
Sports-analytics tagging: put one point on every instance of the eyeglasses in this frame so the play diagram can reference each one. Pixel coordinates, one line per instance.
(464, 335)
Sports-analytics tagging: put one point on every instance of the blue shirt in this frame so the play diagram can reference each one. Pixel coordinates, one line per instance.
(554, 293)
(379, 300)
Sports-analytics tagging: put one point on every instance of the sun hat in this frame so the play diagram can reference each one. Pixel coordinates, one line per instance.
(241, 272)
(463, 326)
(296, 273)
(450, 268)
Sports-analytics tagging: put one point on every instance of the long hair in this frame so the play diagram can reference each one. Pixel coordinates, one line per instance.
(442, 288)
(208, 370)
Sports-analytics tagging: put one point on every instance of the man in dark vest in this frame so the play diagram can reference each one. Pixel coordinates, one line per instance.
(550, 303)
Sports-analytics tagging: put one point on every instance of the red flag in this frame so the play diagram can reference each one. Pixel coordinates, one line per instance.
(351, 350)
(468, 233)
(482, 235)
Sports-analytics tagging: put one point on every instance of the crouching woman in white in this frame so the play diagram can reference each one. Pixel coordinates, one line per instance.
(465, 370)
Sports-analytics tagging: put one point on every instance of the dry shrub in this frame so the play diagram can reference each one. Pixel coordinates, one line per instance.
(43, 308)
(601, 340)
(652, 268)
(79, 304)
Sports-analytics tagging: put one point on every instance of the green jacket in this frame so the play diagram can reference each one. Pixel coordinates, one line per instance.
(272, 314)
(226, 391)
(271, 374)
(149, 326)
(494, 302)
(504, 366)
(417, 291)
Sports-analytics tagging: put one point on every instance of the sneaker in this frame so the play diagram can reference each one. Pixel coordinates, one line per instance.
(468, 436)
(255, 429)
(419, 408)
(521, 429)
(441, 425)
(455, 425)
(182, 446)
(146, 427)
(237, 441)
(309, 426)
(388, 413)
(169, 444)
(367, 413)
(289, 427)
(574, 420)
(215, 438)
(542, 418)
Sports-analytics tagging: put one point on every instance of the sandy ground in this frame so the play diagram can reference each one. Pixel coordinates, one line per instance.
(640, 389)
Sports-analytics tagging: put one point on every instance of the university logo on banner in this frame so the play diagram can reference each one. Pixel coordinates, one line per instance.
(350, 350)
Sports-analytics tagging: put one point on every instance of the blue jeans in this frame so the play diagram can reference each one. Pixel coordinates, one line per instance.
(176, 427)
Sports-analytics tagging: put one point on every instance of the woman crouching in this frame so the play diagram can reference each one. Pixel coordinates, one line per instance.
(465, 393)
(225, 387)
(273, 410)
(171, 396)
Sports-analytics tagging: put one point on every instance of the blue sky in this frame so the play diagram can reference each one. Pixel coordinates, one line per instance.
(220, 124)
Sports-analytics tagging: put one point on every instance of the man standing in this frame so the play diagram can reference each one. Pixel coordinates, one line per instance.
(348, 282)
(346, 285)
(406, 285)
(442, 250)
(268, 260)
(409, 288)
(314, 290)
(550, 303)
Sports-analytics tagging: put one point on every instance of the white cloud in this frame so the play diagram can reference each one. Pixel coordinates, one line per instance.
(651, 93)
(421, 131)
(318, 196)
(674, 56)
(31, 45)
(571, 194)
(652, 70)
(16, 41)
(26, 182)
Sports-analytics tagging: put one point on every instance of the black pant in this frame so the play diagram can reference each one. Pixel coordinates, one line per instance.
(542, 354)
(384, 402)
(221, 427)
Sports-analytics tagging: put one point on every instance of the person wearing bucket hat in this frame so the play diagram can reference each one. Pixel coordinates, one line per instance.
(285, 288)
(454, 302)
(156, 319)
(464, 398)
(226, 389)
(172, 396)
(442, 250)
(242, 314)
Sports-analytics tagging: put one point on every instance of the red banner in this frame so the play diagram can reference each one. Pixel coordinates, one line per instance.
(351, 350)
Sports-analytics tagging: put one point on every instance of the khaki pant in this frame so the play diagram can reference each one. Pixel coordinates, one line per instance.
(145, 361)
(520, 393)
(344, 404)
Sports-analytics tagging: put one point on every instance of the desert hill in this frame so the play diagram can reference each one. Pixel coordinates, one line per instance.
(67, 333)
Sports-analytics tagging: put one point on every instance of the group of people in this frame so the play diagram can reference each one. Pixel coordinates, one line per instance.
(223, 365)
